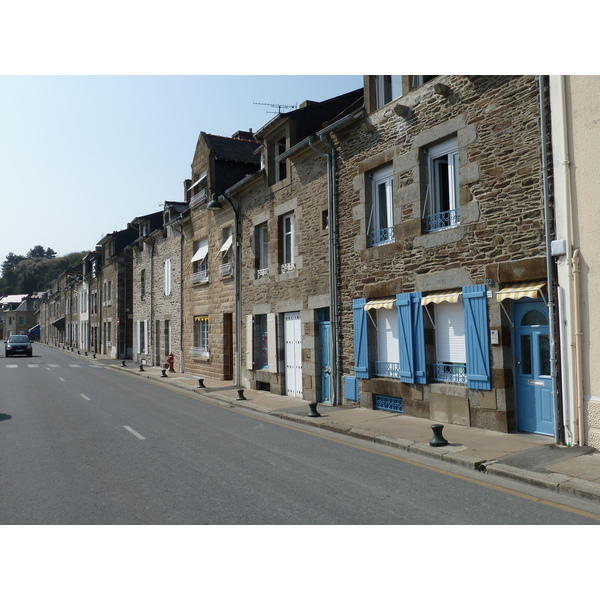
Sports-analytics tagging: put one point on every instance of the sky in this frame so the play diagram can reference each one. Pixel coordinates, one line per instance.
(81, 156)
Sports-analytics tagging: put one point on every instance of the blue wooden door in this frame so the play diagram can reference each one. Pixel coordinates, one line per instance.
(535, 407)
(325, 338)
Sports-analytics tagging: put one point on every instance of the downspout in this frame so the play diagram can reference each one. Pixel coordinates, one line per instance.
(179, 228)
(577, 348)
(333, 288)
(549, 262)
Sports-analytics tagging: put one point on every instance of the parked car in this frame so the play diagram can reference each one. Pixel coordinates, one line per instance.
(18, 344)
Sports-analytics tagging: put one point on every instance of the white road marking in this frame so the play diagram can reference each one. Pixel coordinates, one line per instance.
(61, 378)
(12, 366)
(32, 366)
(53, 366)
(85, 397)
(134, 432)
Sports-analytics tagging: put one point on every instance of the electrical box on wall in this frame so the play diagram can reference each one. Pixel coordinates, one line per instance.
(558, 247)
(494, 337)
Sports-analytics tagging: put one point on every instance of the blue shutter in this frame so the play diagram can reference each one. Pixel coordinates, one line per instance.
(361, 340)
(405, 337)
(477, 344)
(420, 364)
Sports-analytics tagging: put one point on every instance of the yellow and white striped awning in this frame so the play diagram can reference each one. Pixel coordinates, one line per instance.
(520, 290)
(452, 297)
(381, 303)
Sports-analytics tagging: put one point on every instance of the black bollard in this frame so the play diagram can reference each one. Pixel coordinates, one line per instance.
(438, 438)
(164, 372)
(201, 383)
(86, 353)
(123, 363)
(313, 410)
(240, 395)
(141, 368)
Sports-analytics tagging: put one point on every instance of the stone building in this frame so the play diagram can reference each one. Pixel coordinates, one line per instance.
(157, 291)
(112, 296)
(92, 269)
(442, 248)
(285, 257)
(209, 263)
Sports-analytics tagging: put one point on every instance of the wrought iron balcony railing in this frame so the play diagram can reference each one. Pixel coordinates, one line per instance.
(450, 372)
(443, 220)
(381, 236)
(199, 277)
(386, 369)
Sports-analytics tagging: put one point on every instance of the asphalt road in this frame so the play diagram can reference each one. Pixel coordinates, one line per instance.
(84, 444)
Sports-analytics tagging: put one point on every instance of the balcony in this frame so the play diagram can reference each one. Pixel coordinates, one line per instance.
(442, 220)
(226, 270)
(199, 277)
(386, 369)
(201, 196)
(381, 236)
(288, 267)
(261, 273)
(450, 373)
(107, 302)
(196, 352)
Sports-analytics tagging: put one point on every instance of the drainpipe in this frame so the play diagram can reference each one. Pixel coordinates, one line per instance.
(549, 262)
(333, 288)
(577, 348)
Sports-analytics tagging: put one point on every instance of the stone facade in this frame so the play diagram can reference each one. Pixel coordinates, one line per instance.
(494, 126)
(209, 254)
(157, 290)
(285, 257)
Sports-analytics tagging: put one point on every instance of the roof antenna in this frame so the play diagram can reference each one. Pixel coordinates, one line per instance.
(278, 107)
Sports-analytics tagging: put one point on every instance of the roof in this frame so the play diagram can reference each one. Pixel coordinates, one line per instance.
(12, 299)
(226, 148)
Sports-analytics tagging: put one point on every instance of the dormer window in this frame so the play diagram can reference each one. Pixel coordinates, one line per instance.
(280, 165)
(199, 189)
(387, 88)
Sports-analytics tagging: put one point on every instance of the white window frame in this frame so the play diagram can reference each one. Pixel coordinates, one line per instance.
(387, 88)
(168, 275)
(450, 342)
(388, 343)
(380, 227)
(288, 234)
(443, 193)
(201, 348)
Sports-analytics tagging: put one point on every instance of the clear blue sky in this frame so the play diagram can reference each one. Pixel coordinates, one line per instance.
(81, 156)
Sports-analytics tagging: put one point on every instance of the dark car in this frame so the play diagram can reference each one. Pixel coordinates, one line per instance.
(18, 344)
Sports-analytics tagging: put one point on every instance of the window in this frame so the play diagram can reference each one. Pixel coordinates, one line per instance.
(142, 337)
(442, 198)
(226, 266)
(168, 337)
(419, 80)
(198, 190)
(261, 241)
(450, 347)
(200, 348)
(262, 339)
(107, 291)
(143, 284)
(280, 165)
(387, 88)
(168, 274)
(385, 324)
(380, 224)
(200, 262)
(261, 342)
(287, 243)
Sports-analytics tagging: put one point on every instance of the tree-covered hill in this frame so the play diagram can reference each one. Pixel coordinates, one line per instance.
(35, 271)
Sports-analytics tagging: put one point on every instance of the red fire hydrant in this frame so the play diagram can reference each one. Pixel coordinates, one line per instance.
(171, 362)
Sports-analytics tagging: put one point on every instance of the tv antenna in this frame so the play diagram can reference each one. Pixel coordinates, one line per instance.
(279, 107)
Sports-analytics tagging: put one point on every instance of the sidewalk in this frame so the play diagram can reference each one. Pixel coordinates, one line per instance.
(529, 458)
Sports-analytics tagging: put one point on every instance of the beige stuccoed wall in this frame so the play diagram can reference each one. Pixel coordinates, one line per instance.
(583, 114)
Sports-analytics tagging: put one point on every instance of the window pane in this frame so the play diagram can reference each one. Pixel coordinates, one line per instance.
(534, 317)
(544, 355)
(526, 354)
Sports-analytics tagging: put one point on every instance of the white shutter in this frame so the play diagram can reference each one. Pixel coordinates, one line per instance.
(272, 343)
(250, 342)
(450, 333)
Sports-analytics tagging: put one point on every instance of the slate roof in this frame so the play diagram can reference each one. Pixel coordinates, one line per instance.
(226, 148)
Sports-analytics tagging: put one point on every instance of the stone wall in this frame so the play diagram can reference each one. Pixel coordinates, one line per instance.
(500, 238)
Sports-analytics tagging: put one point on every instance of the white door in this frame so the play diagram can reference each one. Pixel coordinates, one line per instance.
(293, 354)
